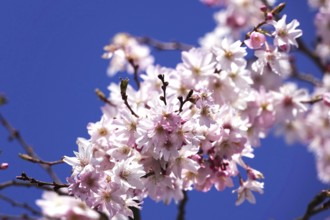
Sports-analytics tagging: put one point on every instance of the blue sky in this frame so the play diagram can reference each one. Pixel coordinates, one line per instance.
(50, 65)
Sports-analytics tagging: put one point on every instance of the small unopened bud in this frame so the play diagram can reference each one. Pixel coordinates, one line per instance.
(4, 166)
(263, 8)
(269, 16)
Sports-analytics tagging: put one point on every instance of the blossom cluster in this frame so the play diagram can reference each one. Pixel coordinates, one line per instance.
(190, 127)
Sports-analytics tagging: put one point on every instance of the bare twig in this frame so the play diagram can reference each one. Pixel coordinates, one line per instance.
(14, 134)
(35, 160)
(182, 102)
(318, 204)
(136, 72)
(103, 98)
(159, 45)
(54, 185)
(182, 205)
(123, 88)
(17, 217)
(165, 84)
(20, 205)
(16, 183)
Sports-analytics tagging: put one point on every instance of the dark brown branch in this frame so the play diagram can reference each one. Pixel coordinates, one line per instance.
(136, 72)
(318, 204)
(159, 45)
(16, 217)
(14, 134)
(123, 88)
(16, 183)
(313, 100)
(103, 98)
(20, 205)
(54, 185)
(181, 207)
(165, 84)
(3, 99)
(182, 102)
(35, 160)
(136, 213)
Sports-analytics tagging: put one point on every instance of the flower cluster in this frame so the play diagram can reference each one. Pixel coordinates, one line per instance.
(191, 126)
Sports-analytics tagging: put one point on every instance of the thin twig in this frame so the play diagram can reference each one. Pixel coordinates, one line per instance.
(35, 160)
(16, 217)
(16, 183)
(318, 204)
(159, 45)
(14, 134)
(123, 88)
(165, 84)
(182, 102)
(103, 98)
(20, 205)
(136, 72)
(181, 207)
(54, 185)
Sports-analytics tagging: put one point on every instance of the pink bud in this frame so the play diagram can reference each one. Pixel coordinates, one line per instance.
(263, 8)
(326, 98)
(4, 166)
(269, 16)
(255, 41)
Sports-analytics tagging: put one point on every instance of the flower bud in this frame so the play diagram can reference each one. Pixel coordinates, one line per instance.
(255, 41)
(4, 166)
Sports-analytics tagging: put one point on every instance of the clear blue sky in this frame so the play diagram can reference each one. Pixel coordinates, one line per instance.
(50, 64)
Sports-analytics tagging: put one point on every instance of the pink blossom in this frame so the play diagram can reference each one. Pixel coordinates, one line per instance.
(256, 40)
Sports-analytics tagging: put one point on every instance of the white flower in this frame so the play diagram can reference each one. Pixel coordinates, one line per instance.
(82, 158)
(230, 54)
(245, 191)
(286, 34)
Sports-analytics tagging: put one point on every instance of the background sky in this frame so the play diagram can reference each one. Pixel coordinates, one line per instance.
(50, 65)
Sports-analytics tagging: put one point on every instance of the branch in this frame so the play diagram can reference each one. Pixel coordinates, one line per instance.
(182, 102)
(123, 88)
(159, 45)
(318, 204)
(11, 183)
(181, 207)
(103, 98)
(17, 217)
(35, 160)
(136, 213)
(20, 205)
(136, 69)
(165, 84)
(14, 134)
(54, 185)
